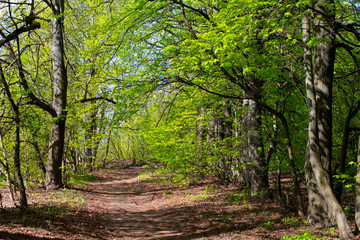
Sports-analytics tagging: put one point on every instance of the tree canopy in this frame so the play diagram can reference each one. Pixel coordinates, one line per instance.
(238, 89)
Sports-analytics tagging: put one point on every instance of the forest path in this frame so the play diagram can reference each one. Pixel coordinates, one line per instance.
(120, 205)
(130, 210)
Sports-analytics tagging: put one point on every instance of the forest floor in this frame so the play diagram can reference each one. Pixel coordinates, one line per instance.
(118, 204)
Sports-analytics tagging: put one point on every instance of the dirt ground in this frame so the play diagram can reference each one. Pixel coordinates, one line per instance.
(120, 205)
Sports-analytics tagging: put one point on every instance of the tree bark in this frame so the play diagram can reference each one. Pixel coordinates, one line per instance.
(17, 165)
(5, 166)
(323, 73)
(228, 126)
(256, 172)
(90, 131)
(357, 189)
(318, 108)
(57, 135)
(55, 156)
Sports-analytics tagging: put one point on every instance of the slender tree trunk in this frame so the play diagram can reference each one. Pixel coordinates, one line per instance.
(5, 166)
(344, 146)
(357, 190)
(90, 131)
(39, 157)
(342, 160)
(15, 109)
(297, 190)
(228, 126)
(107, 149)
(244, 159)
(19, 178)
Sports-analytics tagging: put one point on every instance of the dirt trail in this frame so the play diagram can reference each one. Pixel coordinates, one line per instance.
(121, 206)
(130, 210)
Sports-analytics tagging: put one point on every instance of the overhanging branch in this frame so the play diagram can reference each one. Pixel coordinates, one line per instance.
(19, 31)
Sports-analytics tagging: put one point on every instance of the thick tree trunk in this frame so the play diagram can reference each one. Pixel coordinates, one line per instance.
(318, 213)
(57, 135)
(256, 172)
(55, 156)
(324, 59)
(317, 94)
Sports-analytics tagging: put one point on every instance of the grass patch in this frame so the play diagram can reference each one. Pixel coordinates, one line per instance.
(157, 176)
(267, 224)
(306, 235)
(237, 198)
(292, 221)
(202, 196)
(79, 180)
(68, 198)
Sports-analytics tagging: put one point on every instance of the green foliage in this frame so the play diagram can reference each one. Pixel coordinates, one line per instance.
(237, 198)
(69, 198)
(331, 231)
(267, 224)
(79, 179)
(3, 183)
(306, 235)
(292, 221)
(57, 206)
(172, 82)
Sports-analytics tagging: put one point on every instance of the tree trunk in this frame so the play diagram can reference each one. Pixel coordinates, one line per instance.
(342, 160)
(323, 74)
(19, 178)
(6, 170)
(90, 131)
(254, 166)
(344, 146)
(55, 156)
(57, 135)
(40, 160)
(297, 190)
(316, 125)
(228, 126)
(357, 190)
(15, 109)
(107, 149)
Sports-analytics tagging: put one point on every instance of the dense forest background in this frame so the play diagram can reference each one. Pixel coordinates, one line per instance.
(240, 90)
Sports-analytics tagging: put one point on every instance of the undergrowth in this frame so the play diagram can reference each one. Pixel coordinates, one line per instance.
(306, 235)
(80, 180)
(49, 208)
